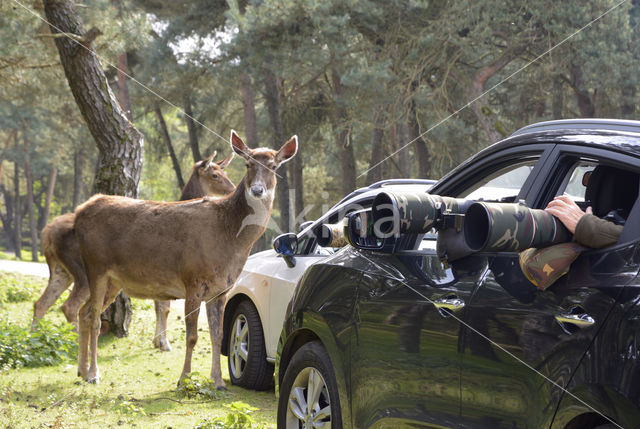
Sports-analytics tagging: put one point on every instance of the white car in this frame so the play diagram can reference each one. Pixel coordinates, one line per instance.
(255, 307)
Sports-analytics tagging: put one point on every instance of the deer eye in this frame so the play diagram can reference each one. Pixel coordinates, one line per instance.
(248, 165)
(215, 176)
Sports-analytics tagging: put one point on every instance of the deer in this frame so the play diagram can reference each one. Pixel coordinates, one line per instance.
(65, 262)
(192, 250)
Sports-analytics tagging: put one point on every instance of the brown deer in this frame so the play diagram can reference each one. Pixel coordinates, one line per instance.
(193, 250)
(65, 262)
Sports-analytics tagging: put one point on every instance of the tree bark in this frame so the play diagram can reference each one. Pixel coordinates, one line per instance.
(119, 142)
(123, 87)
(422, 150)
(78, 169)
(33, 229)
(7, 218)
(251, 134)
(376, 171)
(585, 102)
(7, 143)
(17, 213)
(164, 131)
(53, 175)
(343, 132)
(557, 99)
(249, 110)
(272, 96)
(192, 128)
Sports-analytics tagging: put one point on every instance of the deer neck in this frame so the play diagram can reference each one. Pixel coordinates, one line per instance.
(250, 214)
(193, 189)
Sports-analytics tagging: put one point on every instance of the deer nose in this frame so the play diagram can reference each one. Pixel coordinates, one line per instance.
(257, 191)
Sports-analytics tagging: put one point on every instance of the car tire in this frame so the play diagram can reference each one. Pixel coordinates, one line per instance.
(248, 366)
(309, 366)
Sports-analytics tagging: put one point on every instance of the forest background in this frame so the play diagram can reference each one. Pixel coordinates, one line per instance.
(356, 80)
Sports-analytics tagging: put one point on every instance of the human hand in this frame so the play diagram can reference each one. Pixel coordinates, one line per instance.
(567, 211)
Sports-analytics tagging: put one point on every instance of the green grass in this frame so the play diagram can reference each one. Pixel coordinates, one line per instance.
(25, 253)
(138, 382)
(16, 287)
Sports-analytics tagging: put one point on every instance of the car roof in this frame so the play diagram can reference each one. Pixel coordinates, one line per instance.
(415, 185)
(582, 124)
(621, 136)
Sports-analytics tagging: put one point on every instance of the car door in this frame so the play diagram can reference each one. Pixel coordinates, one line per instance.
(405, 360)
(521, 345)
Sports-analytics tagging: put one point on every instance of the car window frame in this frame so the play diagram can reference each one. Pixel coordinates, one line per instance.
(468, 174)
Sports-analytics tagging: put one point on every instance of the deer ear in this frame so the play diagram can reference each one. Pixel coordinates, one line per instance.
(287, 151)
(211, 158)
(225, 162)
(238, 146)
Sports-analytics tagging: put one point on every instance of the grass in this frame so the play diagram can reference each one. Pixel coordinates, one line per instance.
(138, 382)
(25, 254)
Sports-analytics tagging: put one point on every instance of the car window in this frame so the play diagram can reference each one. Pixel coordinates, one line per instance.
(499, 185)
(502, 186)
(577, 180)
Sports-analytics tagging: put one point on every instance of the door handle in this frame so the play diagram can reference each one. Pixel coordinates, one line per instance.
(451, 303)
(582, 320)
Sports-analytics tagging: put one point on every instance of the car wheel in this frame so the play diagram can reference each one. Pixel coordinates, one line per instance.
(309, 393)
(248, 366)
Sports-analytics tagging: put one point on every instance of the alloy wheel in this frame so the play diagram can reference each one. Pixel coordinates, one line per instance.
(239, 346)
(309, 405)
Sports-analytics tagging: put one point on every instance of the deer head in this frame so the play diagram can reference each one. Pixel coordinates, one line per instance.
(262, 163)
(212, 177)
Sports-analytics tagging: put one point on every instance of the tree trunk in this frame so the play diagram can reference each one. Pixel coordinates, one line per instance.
(298, 187)
(249, 110)
(272, 96)
(585, 102)
(7, 218)
(53, 175)
(12, 135)
(17, 214)
(557, 98)
(251, 135)
(78, 169)
(123, 87)
(164, 131)
(343, 132)
(422, 150)
(192, 128)
(400, 137)
(119, 142)
(376, 171)
(33, 229)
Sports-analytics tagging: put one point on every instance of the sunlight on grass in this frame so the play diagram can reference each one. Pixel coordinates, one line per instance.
(138, 382)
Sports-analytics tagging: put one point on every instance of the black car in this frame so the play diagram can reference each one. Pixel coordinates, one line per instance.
(397, 336)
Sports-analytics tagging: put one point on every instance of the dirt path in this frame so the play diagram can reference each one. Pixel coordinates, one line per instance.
(31, 268)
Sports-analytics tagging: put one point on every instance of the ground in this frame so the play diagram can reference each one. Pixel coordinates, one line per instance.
(138, 387)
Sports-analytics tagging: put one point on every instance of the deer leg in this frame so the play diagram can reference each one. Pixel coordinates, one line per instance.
(80, 292)
(84, 331)
(160, 340)
(96, 302)
(215, 313)
(59, 281)
(191, 312)
(79, 295)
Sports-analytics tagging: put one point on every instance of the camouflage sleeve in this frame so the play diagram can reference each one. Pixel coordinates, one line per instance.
(594, 232)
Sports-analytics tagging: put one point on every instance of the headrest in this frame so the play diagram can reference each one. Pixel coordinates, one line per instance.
(611, 189)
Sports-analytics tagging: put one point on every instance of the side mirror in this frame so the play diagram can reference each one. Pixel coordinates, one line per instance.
(359, 231)
(304, 225)
(286, 244)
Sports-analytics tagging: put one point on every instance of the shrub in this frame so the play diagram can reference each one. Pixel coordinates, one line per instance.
(47, 345)
(195, 385)
(19, 288)
(238, 417)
